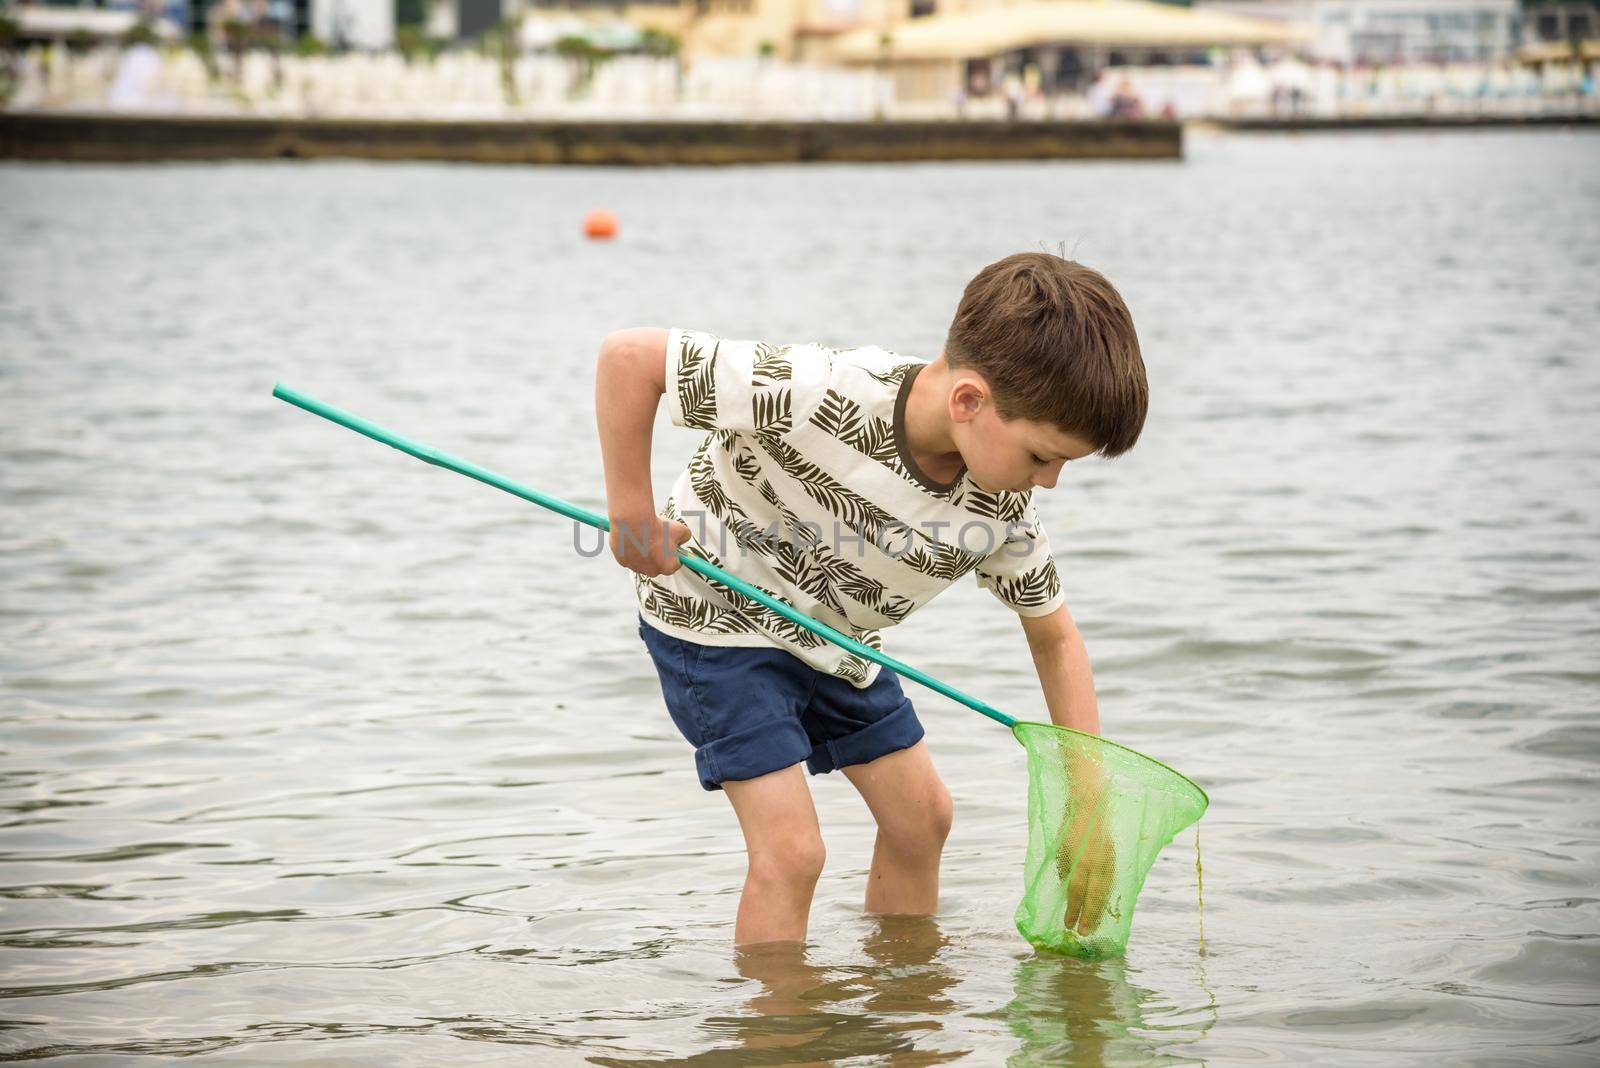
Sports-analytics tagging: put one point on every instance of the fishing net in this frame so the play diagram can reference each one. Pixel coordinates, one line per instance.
(1098, 813)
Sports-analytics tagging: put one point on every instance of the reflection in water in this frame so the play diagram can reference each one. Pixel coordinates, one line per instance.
(1073, 1011)
(1064, 1010)
(1068, 1010)
(806, 1013)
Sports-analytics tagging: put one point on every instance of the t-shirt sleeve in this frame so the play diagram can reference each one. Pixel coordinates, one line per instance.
(1022, 572)
(716, 383)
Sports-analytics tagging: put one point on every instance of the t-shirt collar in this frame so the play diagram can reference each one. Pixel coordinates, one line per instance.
(900, 438)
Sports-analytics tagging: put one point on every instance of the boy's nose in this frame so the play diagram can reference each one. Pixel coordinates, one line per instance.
(1046, 479)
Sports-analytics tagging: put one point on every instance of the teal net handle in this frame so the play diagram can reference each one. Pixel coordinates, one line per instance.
(427, 454)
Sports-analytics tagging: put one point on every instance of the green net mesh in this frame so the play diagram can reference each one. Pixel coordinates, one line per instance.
(1098, 813)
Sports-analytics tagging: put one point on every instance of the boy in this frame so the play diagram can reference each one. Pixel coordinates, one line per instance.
(855, 485)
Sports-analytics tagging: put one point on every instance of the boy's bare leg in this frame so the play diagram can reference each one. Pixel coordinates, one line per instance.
(912, 807)
(785, 854)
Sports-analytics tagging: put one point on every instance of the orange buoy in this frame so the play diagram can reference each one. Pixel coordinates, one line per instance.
(600, 223)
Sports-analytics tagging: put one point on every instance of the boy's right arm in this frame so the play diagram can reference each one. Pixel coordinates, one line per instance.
(630, 378)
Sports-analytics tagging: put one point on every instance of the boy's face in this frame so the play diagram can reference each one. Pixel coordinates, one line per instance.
(1008, 454)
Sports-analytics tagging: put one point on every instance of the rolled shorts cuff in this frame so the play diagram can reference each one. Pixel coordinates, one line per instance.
(900, 729)
(767, 747)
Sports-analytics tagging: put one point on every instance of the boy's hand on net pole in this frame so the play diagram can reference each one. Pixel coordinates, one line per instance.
(647, 543)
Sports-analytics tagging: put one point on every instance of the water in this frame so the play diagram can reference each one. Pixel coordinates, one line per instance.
(316, 754)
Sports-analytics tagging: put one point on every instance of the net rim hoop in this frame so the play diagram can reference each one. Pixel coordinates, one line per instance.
(1204, 797)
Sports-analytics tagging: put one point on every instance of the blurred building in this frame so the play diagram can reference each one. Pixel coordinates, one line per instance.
(1394, 31)
(42, 23)
(939, 50)
(924, 31)
(1544, 24)
(339, 24)
(783, 29)
(466, 19)
(1043, 48)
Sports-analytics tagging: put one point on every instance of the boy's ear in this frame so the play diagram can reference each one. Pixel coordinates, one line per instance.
(967, 398)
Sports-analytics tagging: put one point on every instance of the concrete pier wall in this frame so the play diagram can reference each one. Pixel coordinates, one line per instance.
(1311, 124)
(122, 138)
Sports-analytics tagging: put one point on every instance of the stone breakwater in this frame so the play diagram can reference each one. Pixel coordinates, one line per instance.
(125, 138)
(1316, 123)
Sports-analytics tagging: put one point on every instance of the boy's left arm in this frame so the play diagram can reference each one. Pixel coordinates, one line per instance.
(1063, 666)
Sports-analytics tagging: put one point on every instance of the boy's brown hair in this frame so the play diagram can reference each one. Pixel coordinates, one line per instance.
(1056, 344)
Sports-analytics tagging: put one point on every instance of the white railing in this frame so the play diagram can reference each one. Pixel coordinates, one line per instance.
(454, 85)
(1289, 90)
(461, 85)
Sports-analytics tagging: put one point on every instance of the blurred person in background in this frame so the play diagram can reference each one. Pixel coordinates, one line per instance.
(138, 71)
(1011, 88)
(1099, 95)
(1126, 104)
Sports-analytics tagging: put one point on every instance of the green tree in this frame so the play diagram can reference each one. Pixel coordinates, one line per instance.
(654, 42)
(140, 32)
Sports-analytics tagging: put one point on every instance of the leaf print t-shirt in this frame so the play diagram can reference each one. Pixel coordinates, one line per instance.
(806, 488)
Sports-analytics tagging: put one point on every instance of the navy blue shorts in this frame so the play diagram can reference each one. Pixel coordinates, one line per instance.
(749, 711)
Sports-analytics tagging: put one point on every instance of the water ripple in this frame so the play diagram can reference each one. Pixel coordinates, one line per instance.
(315, 753)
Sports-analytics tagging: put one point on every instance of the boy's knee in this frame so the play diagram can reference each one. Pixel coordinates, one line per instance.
(923, 826)
(941, 814)
(793, 858)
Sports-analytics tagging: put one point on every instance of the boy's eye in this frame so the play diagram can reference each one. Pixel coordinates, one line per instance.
(1037, 458)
